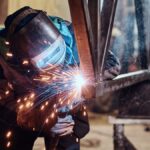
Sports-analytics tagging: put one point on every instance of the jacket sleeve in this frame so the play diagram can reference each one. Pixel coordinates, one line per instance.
(81, 127)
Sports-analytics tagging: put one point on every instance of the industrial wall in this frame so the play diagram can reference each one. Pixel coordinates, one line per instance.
(52, 7)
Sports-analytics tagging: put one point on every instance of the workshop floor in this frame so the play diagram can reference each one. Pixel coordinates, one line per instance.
(100, 136)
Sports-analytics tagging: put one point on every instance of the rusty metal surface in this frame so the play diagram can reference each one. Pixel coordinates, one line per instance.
(108, 13)
(93, 12)
(103, 24)
(121, 82)
(90, 29)
(81, 35)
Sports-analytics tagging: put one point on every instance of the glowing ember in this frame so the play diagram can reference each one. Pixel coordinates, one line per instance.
(46, 103)
(9, 134)
(42, 107)
(84, 107)
(32, 95)
(10, 85)
(28, 104)
(7, 92)
(25, 98)
(84, 113)
(60, 100)
(25, 62)
(8, 144)
(21, 106)
(33, 129)
(9, 54)
(19, 100)
(47, 120)
(45, 78)
(53, 115)
(6, 42)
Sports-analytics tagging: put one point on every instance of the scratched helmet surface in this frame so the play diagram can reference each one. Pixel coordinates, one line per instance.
(33, 36)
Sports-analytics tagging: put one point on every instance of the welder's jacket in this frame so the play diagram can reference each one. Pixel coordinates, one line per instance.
(81, 127)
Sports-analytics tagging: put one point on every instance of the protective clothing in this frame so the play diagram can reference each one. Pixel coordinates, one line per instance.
(40, 43)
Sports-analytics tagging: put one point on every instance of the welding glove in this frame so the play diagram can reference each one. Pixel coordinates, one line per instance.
(64, 126)
(112, 66)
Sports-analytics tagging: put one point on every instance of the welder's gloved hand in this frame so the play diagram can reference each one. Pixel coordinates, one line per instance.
(112, 67)
(64, 126)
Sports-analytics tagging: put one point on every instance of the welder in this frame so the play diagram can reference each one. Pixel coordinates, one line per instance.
(30, 35)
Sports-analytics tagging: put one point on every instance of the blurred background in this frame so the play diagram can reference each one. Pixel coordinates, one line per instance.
(52, 7)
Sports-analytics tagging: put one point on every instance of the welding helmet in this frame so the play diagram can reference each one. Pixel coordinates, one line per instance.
(33, 37)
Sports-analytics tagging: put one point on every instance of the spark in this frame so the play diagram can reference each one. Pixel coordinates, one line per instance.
(84, 113)
(53, 115)
(47, 120)
(46, 103)
(25, 62)
(42, 107)
(8, 134)
(33, 129)
(21, 106)
(19, 100)
(9, 54)
(54, 106)
(84, 107)
(6, 42)
(31, 104)
(32, 95)
(60, 100)
(10, 85)
(8, 144)
(28, 104)
(25, 98)
(45, 78)
(7, 92)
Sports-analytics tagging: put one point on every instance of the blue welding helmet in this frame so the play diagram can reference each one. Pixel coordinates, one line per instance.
(33, 37)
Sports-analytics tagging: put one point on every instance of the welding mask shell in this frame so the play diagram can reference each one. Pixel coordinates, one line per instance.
(37, 41)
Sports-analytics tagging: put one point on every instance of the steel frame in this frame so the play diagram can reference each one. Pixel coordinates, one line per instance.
(93, 37)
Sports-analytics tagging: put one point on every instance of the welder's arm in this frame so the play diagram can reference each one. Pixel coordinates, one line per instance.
(112, 66)
(64, 126)
(81, 127)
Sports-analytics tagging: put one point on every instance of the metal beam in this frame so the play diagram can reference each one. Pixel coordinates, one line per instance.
(139, 11)
(81, 35)
(106, 24)
(121, 82)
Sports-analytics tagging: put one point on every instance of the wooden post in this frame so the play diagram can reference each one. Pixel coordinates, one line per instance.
(3, 10)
